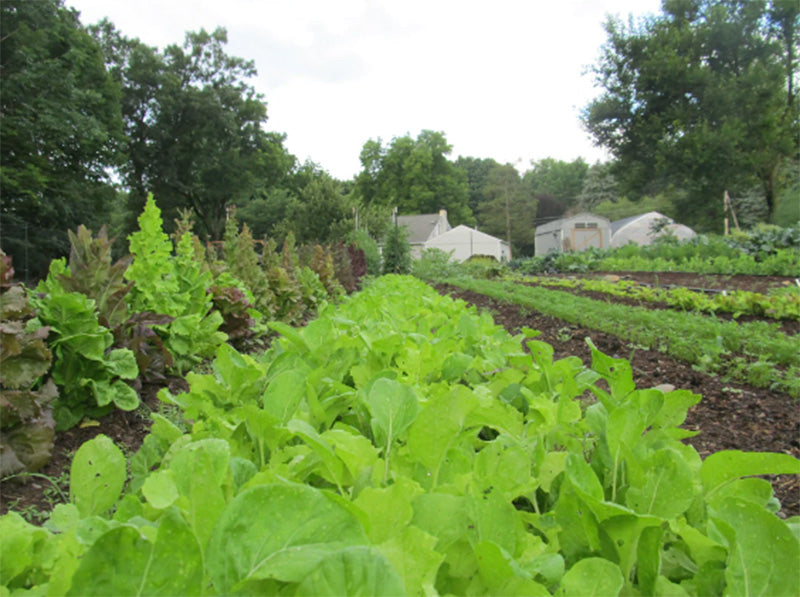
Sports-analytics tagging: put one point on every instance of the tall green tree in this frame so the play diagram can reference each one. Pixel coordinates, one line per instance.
(396, 257)
(702, 97)
(510, 209)
(599, 186)
(194, 126)
(326, 214)
(559, 179)
(59, 128)
(477, 171)
(415, 176)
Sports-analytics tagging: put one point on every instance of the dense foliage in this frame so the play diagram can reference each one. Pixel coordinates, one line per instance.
(403, 444)
(415, 176)
(162, 310)
(702, 96)
(60, 130)
(193, 126)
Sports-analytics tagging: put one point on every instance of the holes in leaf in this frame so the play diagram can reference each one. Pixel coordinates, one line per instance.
(523, 504)
(488, 434)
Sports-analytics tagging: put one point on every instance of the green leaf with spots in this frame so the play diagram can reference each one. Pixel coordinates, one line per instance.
(97, 476)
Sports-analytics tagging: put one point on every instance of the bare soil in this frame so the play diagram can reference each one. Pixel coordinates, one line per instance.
(731, 416)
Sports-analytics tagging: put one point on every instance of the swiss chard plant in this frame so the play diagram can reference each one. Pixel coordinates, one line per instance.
(26, 420)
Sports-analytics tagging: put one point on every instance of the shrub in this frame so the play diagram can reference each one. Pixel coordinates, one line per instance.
(396, 252)
(434, 265)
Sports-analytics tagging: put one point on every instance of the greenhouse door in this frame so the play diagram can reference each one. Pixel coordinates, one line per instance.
(583, 238)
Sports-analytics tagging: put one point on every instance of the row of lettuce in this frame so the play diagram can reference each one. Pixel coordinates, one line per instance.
(403, 444)
(780, 303)
(84, 340)
(758, 353)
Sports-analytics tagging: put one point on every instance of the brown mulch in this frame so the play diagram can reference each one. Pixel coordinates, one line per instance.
(730, 416)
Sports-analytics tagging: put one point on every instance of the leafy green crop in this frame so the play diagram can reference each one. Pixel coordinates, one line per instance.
(757, 253)
(174, 286)
(723, 347)
(403, 444)
(781, 303)
(88, 371)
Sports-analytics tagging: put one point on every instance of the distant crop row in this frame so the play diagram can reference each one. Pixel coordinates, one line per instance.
(783, 303)
(754, 352)
(403, 444)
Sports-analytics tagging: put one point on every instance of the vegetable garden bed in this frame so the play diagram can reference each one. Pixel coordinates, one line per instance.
(403, 443)
(730, 416)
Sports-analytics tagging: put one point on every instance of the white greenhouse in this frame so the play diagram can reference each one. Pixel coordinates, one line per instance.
(574, 233)
(645, 228)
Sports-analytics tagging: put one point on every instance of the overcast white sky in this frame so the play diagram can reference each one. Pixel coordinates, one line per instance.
(502, 79)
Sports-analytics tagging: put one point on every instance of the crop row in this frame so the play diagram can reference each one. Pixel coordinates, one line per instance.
(779, 304)
(403, 444)
(77, 345)
(754, 352)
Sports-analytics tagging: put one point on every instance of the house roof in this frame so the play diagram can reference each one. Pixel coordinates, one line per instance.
(420, 227)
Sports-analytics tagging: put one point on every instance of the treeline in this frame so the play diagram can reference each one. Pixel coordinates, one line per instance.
(94, 121)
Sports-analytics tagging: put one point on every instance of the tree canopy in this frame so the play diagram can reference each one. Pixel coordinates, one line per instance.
(60, 128)
(415, 176)
(563, 181)
(510, 212)
(194, 126)
(702, 97)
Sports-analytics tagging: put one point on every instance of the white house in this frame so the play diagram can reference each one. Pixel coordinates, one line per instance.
(645, 228)
(574, 233)
(433, 231)
(423, 228)
(465, 242)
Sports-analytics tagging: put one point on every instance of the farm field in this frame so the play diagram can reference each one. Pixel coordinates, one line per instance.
(405, 443)
(731, 415)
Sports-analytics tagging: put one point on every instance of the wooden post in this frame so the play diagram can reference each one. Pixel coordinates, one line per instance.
(725, 211)
(729, 207)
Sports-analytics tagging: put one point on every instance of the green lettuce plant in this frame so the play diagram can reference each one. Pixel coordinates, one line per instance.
(89, 372)
(175, 286)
